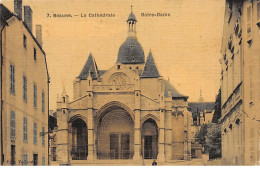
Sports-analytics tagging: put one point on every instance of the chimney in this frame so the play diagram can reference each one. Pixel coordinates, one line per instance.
(28, 17)
(39, 34)
(18, 8)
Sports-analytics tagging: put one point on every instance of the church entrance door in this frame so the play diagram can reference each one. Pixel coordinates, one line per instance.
(115, 135)
(149, 139)
(114, 146)
(119, 146)
(148, 147)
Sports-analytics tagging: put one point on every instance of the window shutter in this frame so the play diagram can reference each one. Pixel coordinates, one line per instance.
(12, 124)
(249, 21)
(43, 103)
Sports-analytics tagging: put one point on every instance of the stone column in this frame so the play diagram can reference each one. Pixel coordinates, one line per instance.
(63, 150)
(187, 152)
(90, 127)
(189, 135)
(161, 155)
(62, 137)
(137, 134)
(168, 135)
(185, 145)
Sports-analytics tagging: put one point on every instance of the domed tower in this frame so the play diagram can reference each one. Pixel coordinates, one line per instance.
(131, 52)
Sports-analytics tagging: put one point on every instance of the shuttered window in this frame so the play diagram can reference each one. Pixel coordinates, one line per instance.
(34, 95)
(249, 21)
(43, 160)
(25, 129)
(12, 124)
(12, 79)
(43, 136)
(24, 88)
(25, 159)
(43, 102)
(34, 133)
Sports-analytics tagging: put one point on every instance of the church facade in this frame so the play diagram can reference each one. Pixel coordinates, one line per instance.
(128, 112)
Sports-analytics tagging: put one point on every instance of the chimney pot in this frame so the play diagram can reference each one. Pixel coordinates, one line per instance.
(18, 10)
(39, 34)
(28, 17)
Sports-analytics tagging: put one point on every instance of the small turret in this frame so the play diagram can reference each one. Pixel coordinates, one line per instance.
(131, 21)
(63, 100)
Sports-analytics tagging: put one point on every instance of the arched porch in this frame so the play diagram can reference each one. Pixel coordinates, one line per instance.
(149, 137)
(78, 139)
(115, 132)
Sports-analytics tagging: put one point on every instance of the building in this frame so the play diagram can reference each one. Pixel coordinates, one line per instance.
(128, 112)
(52, 138)
(24, 89)
(240, 83)
(202, 113)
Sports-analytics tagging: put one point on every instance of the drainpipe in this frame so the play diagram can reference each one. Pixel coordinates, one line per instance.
(48, 121)
(1, 44)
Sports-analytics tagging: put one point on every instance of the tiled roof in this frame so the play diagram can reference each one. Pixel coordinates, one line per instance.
(173, 90)
(130, 52)
(90, 67)
(197, 107)
(5, 13)
(101, 72)
(150, 69)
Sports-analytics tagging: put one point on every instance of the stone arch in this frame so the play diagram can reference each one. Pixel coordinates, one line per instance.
(114, 126)
(150, 116)
(149, 137)
(78, 137)
(77, 116)
(110, 106)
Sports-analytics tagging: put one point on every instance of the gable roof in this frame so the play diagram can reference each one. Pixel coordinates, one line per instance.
(173, 90)
(197, 107)
(5, 13)
(150, 69)
(90, 67)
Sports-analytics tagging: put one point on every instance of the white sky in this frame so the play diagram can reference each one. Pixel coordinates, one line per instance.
(185, 46)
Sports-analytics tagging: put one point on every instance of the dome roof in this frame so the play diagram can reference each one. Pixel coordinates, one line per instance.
(131, 52)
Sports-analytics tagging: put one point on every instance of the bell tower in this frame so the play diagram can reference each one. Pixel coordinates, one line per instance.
(131, 21)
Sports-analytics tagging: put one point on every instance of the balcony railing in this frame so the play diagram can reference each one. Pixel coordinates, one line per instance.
(112, 154)
(79, 152)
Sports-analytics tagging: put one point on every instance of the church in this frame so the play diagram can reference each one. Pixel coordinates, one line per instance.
(128, 114)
